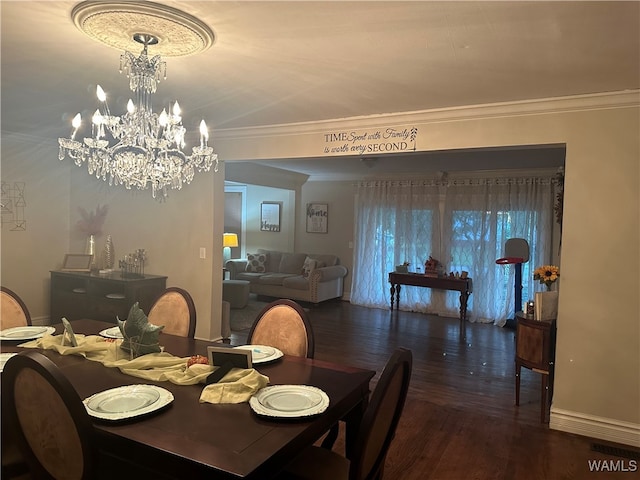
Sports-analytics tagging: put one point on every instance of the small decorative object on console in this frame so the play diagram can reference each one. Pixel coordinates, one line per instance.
(530, 308)
(432, 267)
(132, 265)
(404, 268)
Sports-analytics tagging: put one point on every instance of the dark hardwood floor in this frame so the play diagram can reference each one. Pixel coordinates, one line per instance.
(460, 420)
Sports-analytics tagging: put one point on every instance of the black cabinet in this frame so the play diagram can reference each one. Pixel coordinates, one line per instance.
(76, 295)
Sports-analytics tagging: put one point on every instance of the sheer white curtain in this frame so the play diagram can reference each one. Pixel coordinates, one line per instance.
(462, 223)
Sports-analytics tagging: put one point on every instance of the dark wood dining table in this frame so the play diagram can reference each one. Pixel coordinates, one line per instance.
(203, 440)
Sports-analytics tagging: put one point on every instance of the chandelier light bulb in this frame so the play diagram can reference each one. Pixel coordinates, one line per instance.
(75, 123)
(163, 119)
(100, 93)
(97, 118)
(141, 149)
(204, 131)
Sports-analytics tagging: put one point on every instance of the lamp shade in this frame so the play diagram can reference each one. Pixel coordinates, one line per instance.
(229, 239)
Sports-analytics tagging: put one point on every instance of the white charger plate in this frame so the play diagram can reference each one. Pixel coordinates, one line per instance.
(289, 401)
(28, 332)
(262, 353)
(4, 358)
(113, 332)
(129, 401)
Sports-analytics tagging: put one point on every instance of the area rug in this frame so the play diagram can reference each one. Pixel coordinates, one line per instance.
(242, 318)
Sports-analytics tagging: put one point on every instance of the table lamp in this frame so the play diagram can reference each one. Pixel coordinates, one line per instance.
(228, 240)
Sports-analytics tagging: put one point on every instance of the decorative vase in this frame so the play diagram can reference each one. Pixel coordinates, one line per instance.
(108, 256)
(91, 245)
(91, 250)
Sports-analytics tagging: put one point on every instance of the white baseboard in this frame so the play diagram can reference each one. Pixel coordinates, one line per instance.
(616, 431)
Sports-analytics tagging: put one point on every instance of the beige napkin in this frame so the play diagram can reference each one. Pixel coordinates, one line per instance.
(237, 386)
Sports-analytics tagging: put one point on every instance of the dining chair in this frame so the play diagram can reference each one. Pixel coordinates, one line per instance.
(374, 436)
(283, 324)
(174, 308)
(55, 431)
(13, 311)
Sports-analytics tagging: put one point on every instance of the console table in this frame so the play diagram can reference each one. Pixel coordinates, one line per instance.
(76, 295)
(462, 285)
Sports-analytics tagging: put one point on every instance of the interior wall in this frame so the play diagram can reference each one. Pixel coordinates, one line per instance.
(339, 197)
(593, 395)
(172, 232)
(255, 238)
(31, 250)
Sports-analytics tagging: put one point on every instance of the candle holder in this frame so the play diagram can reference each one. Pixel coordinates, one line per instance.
(132, 265)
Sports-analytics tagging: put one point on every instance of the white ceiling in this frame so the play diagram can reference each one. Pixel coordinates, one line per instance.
(300, 61)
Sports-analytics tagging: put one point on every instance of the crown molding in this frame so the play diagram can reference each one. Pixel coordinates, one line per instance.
(597, 101)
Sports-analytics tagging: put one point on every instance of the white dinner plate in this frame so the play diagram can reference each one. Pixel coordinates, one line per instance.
(289, 401)
(79, 290)
(26, 333)
(262, 353)
(127, 402)
(4, 357)
(113, 332)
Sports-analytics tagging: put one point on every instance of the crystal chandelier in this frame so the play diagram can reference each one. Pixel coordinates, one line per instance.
(146, 148)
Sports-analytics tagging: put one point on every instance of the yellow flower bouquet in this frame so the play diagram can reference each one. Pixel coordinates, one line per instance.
(547, 275)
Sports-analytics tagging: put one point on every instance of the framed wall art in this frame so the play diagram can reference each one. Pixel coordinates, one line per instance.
(317, 217)
(270, 216)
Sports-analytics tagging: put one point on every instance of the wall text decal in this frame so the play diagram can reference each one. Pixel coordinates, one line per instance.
(372, 141)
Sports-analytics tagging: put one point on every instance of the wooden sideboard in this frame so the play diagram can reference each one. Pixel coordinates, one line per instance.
(76, 295)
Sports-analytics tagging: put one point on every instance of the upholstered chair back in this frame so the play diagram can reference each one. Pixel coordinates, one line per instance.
(174, 309)
(13, 311)
(56, 433)
(284, 324)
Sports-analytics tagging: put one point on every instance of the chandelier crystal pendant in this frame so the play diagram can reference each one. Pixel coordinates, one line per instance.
(147, 147)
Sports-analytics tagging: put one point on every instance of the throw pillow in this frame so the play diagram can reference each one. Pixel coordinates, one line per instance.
(256, 262)
(308, 267)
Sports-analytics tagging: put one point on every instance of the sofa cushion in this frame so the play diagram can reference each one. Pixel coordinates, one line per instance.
(256, 262)
(296, 282)
(252, 277)
(273, 259)
(292, 263)
(273, 278)
(308, 266)
(324, 260)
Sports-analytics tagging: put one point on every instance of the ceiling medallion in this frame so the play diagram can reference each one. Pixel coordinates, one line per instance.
(115, 23)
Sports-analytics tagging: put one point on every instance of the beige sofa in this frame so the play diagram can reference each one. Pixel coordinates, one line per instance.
(306, 277)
